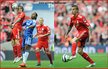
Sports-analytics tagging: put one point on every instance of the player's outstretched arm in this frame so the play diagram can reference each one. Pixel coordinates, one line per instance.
(69, 29)
(35, 35)
(16, 22)
(29, 27)
(70, 25)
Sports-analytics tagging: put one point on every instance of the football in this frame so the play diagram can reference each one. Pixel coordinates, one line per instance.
(65, 58)
(14, 5)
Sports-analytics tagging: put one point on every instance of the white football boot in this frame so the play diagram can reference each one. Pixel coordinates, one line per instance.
(72, 57)
(18, 59)
(91, 65)
(15, 59)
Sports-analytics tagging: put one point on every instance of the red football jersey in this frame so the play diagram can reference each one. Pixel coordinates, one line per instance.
(41, 30)
(80, 23)
(19, 24)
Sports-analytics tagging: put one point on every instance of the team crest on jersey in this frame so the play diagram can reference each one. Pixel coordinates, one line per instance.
(84, 20)
(21, 13)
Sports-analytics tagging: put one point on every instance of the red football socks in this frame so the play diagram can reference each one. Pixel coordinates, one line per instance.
(73, 49)
(19, 50)
(38, 56)
(86, 57)
(15, 51)
(50, 58)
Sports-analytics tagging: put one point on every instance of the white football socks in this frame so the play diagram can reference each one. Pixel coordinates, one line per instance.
(25, 56)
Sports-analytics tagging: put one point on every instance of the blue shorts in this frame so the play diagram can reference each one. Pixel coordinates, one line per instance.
(27, 40)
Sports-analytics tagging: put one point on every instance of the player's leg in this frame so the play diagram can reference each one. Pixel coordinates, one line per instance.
(74, 45)
(19, 48)
(74, 42)
(25, 56)
(38, 56)
(38, 48)
(14, 49)
(46, 49)
(50, 57)
(17, 43)
(27, 44)
(81, 44)
(27, 48)
(85, 56)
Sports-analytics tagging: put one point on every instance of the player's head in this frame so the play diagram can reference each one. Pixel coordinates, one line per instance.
(20, 9)
(41, 21)
(34, 16)
(75, 9)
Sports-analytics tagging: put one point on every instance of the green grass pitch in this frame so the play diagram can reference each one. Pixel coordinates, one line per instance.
(101, 60)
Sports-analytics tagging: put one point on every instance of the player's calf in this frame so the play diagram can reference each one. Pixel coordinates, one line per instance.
(50, 57)
(38, 56)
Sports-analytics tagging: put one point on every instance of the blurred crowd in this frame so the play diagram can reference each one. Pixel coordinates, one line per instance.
(95, 12)
(7, 16)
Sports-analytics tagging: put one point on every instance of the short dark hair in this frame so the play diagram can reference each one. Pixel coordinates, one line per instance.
(21, 7)
(35, 15)
(75, 6)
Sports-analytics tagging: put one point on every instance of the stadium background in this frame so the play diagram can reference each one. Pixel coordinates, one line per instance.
(95, 12)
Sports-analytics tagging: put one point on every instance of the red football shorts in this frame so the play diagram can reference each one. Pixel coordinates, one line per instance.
(82, 36)
(15, 33)
(44, 44)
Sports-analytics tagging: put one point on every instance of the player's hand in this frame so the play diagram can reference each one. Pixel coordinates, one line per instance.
(24, 29)
(66, 36)
(13, 25)
(35, 36)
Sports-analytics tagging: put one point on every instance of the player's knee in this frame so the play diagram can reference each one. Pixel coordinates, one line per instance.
(47, 52)
(23, 49)
(12, 42)
(37, 49)
(27, 47)
(17, 42)
(80, 51)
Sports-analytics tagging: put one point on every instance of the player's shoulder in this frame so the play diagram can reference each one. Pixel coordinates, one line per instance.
(45, 26)
(80, 16)
(72, 17)
(22, 13)
(28, 20)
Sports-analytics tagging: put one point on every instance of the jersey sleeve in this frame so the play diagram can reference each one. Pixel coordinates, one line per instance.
(48, 29)
(70, 23)
(22, 15)
(85, 22)
(24, 23)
